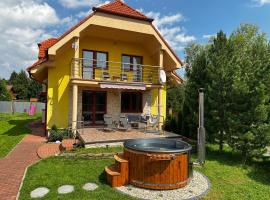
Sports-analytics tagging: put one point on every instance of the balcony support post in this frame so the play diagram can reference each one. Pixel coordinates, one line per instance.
(161, 62)
(74, 107)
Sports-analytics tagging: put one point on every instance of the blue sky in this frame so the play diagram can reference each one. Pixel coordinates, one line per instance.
(23, 23)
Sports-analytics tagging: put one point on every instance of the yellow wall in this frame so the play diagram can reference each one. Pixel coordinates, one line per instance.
(59, 76)
(154, 106)
(58, 90)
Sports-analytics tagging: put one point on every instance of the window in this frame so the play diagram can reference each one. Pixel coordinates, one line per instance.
(88, 64)
(96, 59)
(131, 63)
(131, 102)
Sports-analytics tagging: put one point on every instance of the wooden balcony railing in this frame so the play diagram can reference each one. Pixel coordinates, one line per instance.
(90, 69)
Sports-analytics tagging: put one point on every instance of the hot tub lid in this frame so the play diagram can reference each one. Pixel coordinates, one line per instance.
(159, 145)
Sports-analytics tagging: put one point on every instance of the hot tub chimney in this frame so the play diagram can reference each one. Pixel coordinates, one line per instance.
(201, 129)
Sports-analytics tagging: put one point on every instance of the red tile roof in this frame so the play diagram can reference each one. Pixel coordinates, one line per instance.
(42, 54)
(44, 45)
(117, 7)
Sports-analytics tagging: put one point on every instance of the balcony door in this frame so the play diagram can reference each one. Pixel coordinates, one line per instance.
(94, 105)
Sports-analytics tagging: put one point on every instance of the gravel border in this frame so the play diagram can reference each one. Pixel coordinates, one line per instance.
(147, 194)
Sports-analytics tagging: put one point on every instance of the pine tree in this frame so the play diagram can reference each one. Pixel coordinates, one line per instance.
(220, 72)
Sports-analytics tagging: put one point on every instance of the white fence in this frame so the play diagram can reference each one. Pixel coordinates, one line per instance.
(19, 106)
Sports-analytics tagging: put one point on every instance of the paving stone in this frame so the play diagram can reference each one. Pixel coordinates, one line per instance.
(64, 189)
(90, 186)
(39, 192)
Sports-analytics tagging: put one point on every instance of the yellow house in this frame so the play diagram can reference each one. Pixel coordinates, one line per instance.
(112, 62)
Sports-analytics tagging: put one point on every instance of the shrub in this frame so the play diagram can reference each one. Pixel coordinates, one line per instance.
(171, 125)
(58, 134)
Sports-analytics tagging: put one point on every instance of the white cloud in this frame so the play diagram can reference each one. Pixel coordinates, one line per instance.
(80, 3)
(208, 36)
(23, 24)
(168, 25)
(260, 3)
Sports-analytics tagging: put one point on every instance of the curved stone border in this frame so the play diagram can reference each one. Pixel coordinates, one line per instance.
(197, 188)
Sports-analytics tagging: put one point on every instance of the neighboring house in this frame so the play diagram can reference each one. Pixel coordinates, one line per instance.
(11, 92)
(108, 63)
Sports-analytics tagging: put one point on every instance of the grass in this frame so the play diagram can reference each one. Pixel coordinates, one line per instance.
(55, 172)
(99, 150)
(230, 180)
(12, 129)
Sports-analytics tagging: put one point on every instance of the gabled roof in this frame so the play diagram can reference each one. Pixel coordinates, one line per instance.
(118, 7)
(115, 7)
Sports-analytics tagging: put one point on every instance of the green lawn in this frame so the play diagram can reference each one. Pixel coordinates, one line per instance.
(12, 130)
(99, 150)
(230, 180)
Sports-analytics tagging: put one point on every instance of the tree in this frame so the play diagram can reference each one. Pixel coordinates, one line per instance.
(34, 89)
(220, 72)
(13, 77)
(235, 72)
(175, 98)
(197, 77)
(249, 117)
(4, 95)
(20, 84)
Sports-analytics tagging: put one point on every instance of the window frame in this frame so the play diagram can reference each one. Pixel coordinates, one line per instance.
(130, 61)
(130, 110)
(95, 58)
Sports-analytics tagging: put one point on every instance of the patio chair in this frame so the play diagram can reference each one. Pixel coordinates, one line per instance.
(123, 77)
(109, 124)
(123, 123)
(153, 122)
(105, 75)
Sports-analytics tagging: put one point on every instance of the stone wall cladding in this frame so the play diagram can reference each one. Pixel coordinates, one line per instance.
(114, 104)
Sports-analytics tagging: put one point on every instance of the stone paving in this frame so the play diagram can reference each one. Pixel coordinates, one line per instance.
(39, 192)
(97, 135)
(64, 189)
(13, 166)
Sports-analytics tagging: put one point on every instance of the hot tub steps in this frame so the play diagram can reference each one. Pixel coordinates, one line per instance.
(117, 174)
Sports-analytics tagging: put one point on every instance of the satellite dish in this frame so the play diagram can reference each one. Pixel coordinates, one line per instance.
(162, 76)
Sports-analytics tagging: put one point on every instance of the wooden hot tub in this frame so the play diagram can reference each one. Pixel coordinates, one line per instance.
(158, 163)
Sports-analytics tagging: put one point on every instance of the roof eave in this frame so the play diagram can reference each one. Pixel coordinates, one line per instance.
(95, 9)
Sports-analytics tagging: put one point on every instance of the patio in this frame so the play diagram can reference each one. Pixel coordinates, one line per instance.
(97, 135)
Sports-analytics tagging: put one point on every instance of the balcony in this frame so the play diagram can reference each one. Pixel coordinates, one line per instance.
(100, 70)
